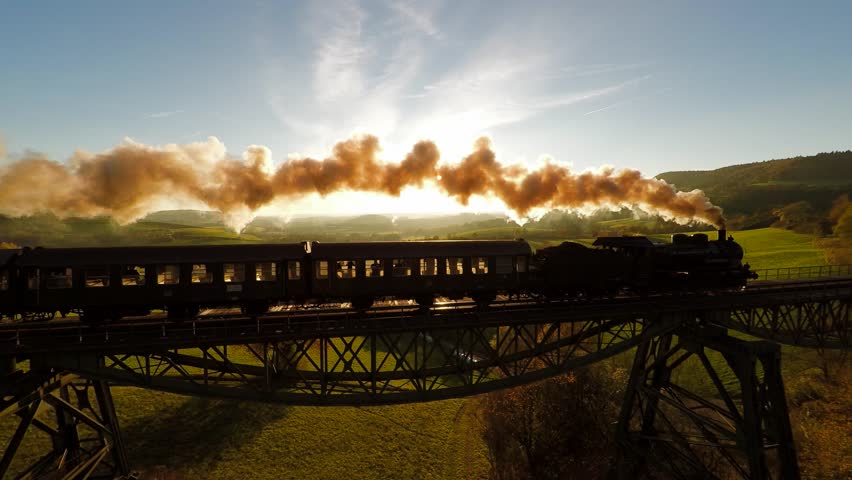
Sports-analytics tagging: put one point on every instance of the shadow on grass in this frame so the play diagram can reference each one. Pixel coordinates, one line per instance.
(197, 432)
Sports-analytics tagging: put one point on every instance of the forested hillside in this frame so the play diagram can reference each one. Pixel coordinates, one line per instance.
(834, 168)
(762, 193)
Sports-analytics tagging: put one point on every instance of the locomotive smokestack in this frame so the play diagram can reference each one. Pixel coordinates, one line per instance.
(723, 233)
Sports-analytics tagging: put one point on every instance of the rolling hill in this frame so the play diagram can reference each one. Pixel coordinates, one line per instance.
(759, 187)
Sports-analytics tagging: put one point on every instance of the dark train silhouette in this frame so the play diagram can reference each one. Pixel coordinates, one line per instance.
(110, 283)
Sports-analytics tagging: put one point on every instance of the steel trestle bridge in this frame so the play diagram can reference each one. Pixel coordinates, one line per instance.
(399, 354)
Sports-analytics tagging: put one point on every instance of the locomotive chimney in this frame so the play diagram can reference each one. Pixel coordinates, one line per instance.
(722, 234)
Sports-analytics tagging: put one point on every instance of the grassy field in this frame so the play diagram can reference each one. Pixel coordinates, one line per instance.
(775, 248)
(202, 438)
(237, 440)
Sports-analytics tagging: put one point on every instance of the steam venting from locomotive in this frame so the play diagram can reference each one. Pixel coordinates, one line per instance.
(129, 180)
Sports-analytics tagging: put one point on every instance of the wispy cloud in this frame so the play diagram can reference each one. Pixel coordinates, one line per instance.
(340, 53)
(487, 73)
(164, 114)
(599, 69)
(629, 100)
(363, 62)
(394, 70)
(196, 135)
(420, 19)
(512, 88)
(563, 100)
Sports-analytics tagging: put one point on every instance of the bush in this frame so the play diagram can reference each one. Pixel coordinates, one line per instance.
(554, 429)
(821, 429)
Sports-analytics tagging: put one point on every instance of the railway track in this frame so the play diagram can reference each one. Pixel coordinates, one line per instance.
(403, 307)
(293, 323)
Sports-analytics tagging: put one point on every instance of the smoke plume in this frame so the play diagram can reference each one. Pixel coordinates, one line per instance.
(128, 181)
(556, 186)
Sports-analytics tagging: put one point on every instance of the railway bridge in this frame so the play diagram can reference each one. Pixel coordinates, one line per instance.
(58, 372)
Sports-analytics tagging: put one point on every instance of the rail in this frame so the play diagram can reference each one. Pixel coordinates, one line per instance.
(812, 271)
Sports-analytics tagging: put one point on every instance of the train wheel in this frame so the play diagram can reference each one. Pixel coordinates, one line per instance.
(93, 317)
(425, 301)
(362, 303)
(176, 313)
(483, 299)
(255, 308)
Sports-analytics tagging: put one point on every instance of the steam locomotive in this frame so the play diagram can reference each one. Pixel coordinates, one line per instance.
(110, 283)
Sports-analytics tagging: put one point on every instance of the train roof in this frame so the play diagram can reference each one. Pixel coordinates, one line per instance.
(426, 248)
(70, 257)
(624, 242)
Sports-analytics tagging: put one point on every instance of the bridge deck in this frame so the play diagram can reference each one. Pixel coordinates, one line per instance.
(224, 327)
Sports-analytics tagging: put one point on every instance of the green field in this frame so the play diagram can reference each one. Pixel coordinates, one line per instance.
(238, 440)
(776, 248)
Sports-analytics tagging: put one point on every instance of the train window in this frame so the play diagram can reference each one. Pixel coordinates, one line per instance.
(455, 266)
(32, 279)
(521, 264)
(294, 270)
(201, 273)
(374, 268)
(234, 272)
(4, 280)
(345, 269)
(264, 272)
(402, 267)
(58, 277)
(134, 275)
(504, 265)
(479, 265)
(321, 269)
(96, 277)
(168, 274)
(428, 266)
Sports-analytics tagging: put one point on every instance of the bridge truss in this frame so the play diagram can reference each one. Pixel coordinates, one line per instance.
(385, 357)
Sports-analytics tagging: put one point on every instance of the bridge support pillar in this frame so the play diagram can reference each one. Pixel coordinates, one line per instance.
(85, 441)
(670, 425)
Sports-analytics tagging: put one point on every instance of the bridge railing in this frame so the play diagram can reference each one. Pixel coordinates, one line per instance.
(813, 271)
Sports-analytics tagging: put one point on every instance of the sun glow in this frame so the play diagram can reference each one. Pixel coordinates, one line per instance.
(427, 200)
(454, 137)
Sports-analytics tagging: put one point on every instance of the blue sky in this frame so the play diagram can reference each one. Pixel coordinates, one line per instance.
(662, 85)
